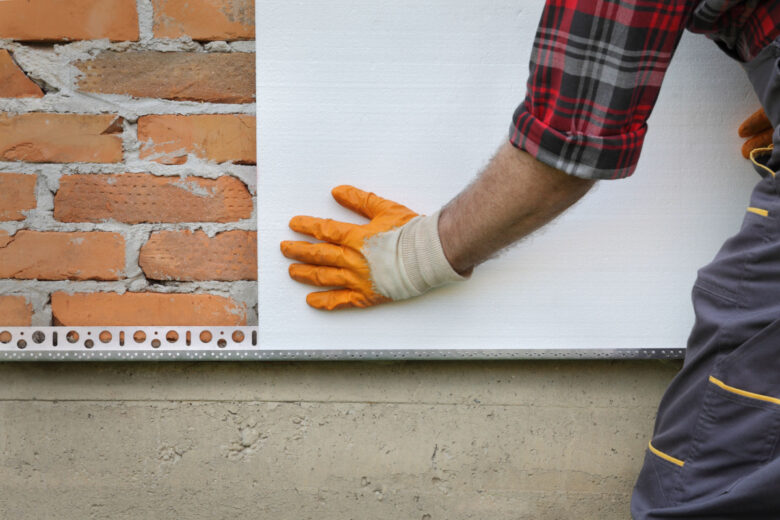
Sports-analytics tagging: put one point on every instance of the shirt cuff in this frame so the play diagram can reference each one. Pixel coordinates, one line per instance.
(586, 156)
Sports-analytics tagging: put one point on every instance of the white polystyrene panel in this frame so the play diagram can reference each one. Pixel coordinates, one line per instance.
(410, 99)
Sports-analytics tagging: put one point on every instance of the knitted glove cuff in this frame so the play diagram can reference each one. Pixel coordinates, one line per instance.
(409, 261)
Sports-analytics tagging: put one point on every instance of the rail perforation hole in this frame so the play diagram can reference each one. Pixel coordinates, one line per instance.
(172, 336)
(105, 336)
(238, 336)
(222, 343)
(156, 343)
(89, 343)
(21, 343)
(139, 336)
(39, 337)
(72, 336)
(5, 337)
(205, 336)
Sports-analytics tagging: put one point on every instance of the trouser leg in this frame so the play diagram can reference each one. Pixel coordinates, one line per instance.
(719, 421)
(715, 451)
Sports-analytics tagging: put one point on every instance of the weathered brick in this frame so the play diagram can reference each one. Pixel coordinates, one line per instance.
(139, 197)
(180, 76)
(60, 138)
(40, 255)
(58, 20)
(188, 256)
(205, 19)
(145, 309)
(13, 81)
(15, 311)
(17, 194)
(220, 138)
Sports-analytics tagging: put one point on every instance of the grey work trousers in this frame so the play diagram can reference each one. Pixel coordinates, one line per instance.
(715, 449)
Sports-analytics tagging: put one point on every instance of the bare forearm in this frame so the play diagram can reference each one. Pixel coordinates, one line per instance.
(514, 196)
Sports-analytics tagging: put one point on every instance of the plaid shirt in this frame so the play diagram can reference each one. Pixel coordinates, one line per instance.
(596, 71)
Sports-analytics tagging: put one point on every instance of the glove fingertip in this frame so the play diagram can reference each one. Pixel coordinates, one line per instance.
(294, 223)
(746, 149)
(324, 302)
(295, 271)
(347, 195)
(313, 301)
(757, 122)
(341, 188)
(302, 223)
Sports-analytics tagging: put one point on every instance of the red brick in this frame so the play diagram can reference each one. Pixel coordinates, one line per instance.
(13, 82)
(39, 255)
(180, 76)
(15, 311)
(220, 138)
(145, 309)
(139, 197)
(17, 194)
(60, 138)
(63, 20)
(188, 256)
(205, 19)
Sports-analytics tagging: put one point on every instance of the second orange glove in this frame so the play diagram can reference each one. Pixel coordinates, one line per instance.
(758, 130)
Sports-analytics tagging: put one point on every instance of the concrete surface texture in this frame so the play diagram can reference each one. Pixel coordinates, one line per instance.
(423, 441)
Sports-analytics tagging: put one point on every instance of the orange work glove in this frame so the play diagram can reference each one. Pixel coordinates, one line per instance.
(396, 255)
(758, 129)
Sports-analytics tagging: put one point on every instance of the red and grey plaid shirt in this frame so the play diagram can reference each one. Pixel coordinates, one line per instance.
(597, 67)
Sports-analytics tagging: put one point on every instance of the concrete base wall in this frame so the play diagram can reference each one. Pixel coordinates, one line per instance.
(424, 441)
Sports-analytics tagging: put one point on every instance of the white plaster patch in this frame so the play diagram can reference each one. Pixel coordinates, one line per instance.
(193, 187)
(218, 46)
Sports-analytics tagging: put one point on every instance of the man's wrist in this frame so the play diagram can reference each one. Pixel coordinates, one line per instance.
(448, 238)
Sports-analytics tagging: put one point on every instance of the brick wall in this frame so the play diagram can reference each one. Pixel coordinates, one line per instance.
(127, 153)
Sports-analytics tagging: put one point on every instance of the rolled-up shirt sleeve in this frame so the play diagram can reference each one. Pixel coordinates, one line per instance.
(595, 73)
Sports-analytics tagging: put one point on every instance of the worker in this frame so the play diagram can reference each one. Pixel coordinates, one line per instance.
(595, 73)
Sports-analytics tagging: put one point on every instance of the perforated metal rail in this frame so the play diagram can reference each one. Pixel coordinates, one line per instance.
(241, 344)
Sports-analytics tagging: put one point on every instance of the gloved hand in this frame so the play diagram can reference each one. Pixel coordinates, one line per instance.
(758, 129)
(397, 255)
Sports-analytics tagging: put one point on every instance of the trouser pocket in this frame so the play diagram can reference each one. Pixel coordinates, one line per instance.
(744, 273)
(738, 426)
(735, 436)
(656, 482)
